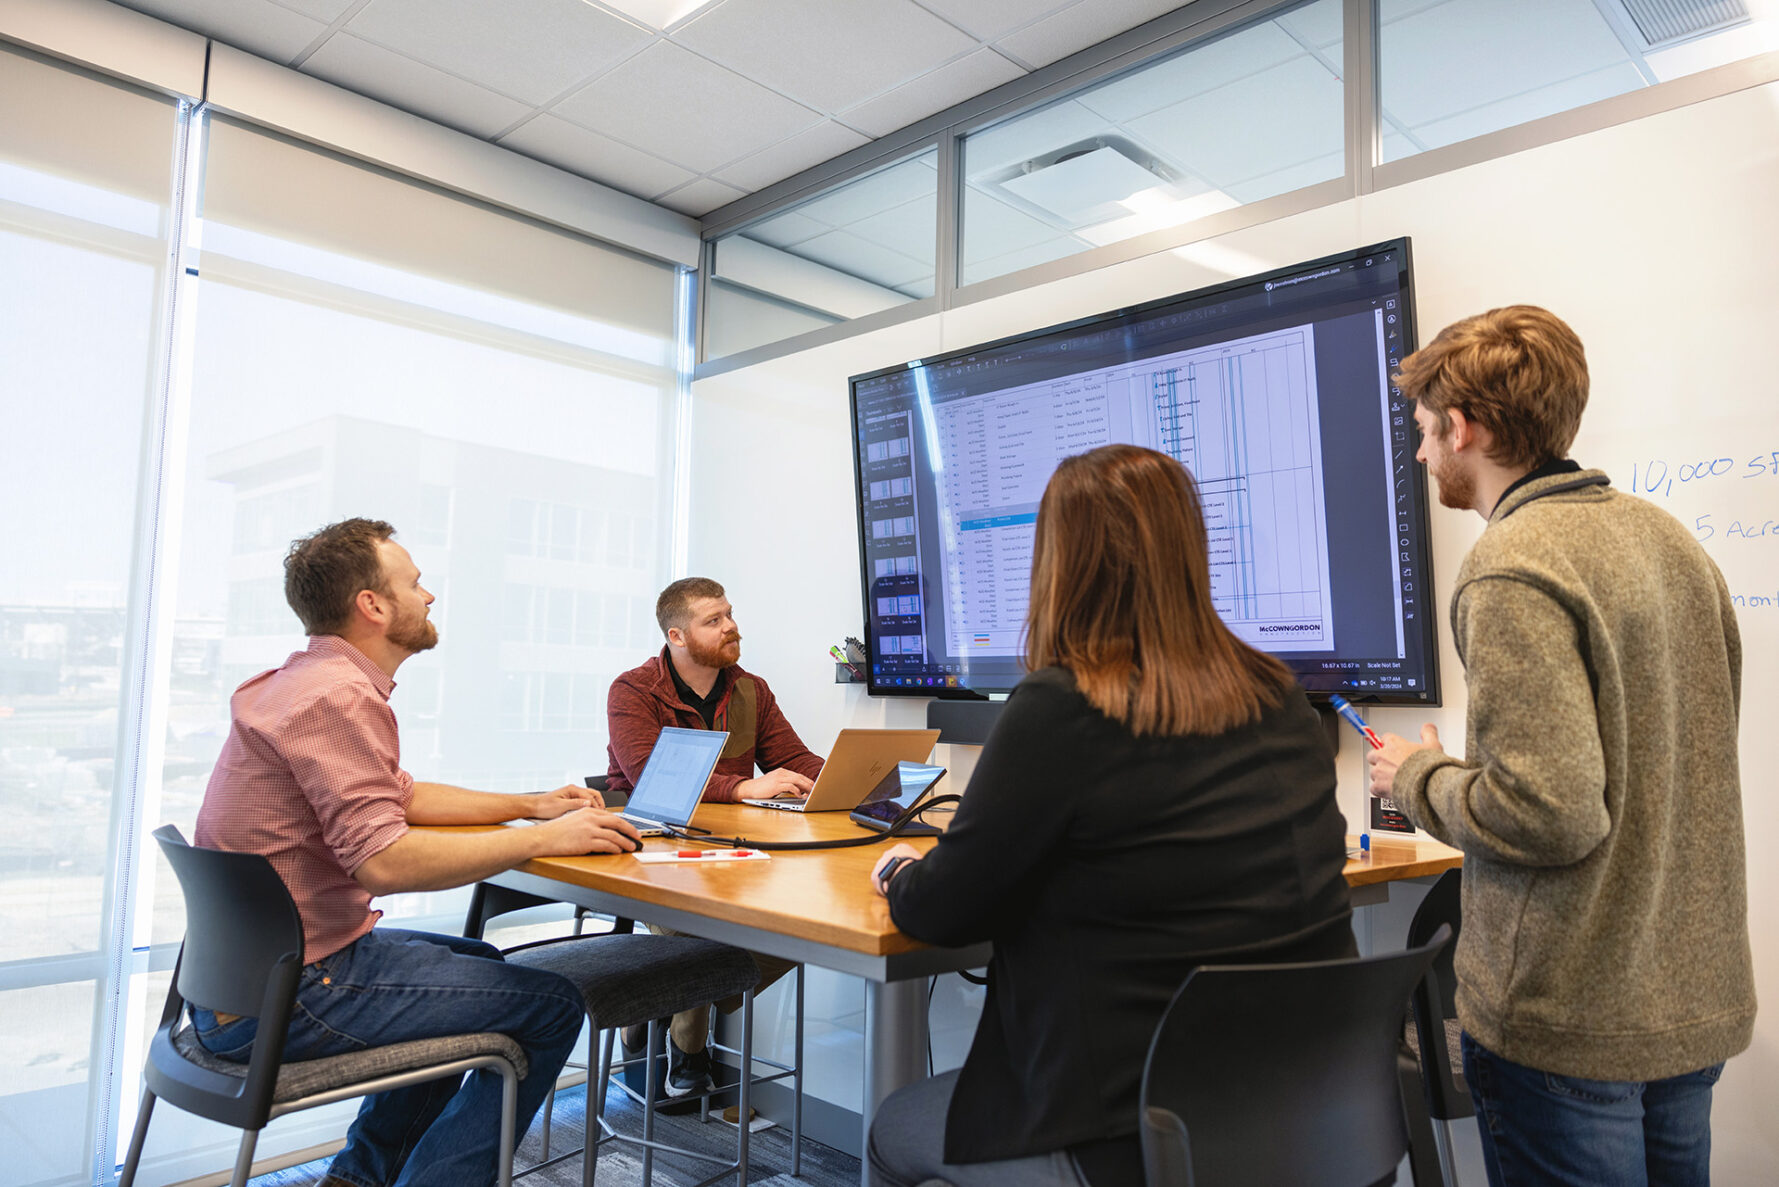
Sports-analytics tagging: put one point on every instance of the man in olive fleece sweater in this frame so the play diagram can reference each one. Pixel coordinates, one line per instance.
(1604, 972)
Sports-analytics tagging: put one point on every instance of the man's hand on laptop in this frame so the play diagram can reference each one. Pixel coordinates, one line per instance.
(587, 830)
(548, 805)
(782, 784)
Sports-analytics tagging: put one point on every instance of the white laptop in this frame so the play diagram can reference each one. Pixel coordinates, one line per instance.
(856, 764)
(672, 782)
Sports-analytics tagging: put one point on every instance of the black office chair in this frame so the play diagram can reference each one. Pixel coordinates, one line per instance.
(243, 954)
(1433, 1039)
(1280, 1075)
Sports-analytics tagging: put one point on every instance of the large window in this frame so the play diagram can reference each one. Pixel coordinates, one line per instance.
(85, 179)
(499, 390)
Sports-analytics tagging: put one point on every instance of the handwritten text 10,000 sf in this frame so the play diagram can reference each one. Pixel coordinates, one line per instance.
(1660, 477)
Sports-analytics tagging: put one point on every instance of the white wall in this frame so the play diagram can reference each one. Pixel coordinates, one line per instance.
(1658, 241)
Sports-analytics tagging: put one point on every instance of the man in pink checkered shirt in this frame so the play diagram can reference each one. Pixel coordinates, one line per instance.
(311, 778)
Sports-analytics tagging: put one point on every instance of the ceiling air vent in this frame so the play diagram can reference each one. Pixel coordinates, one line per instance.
(1085, 182)
(1663, 23)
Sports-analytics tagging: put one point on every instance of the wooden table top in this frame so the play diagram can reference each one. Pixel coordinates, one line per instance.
(1394, 858)
(824, 896)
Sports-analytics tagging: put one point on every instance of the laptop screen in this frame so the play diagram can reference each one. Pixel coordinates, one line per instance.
(898, 791)
(675, 775)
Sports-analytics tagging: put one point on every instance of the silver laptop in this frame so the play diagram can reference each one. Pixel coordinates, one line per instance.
(856, 764)
(672, 782)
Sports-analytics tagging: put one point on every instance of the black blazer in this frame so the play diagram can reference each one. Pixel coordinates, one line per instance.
(1105, 867)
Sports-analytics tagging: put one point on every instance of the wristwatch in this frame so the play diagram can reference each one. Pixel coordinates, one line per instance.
(889, 871)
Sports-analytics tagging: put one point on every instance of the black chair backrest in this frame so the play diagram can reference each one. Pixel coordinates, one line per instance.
(241, 926)
(1278, 1075)
(1434, 1001)
(602, 784)
(243, 954)
(1441, 907)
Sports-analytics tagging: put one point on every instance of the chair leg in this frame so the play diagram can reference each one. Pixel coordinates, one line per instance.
(138, 1137)
(797, 1086)
(1448, 1165)
(509, 1114)
(244, 1159)
(1423, 1160)
(549, 1111)
(648, 1102)
(608, 1047)
(742, 1114)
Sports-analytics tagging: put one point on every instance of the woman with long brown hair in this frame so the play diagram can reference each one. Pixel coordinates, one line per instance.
(1156, 795)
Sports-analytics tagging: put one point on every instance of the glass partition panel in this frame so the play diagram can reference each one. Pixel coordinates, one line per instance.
(85, 189)
(1253, 113)
(858, 248)
(1452, 69)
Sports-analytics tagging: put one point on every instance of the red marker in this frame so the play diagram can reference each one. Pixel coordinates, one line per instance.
(714, 853)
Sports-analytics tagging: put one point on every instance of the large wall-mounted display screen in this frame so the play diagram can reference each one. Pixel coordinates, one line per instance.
(1273, 391)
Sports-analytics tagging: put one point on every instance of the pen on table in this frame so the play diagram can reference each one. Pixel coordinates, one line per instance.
(1346, 710)
(714, 853)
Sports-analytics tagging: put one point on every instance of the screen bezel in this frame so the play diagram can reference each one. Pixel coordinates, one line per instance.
(878, 686)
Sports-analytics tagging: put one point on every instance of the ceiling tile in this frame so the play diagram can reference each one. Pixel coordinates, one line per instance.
(830, 55)
(1533, 104)
(1256, 125)
(322, 10)
(589, 154)
(846, 252)
(970, 271)
(784, 230)
(1455, 57)
(809, 147)
(1321, 25)
(1192, 73)
(989, 19)
(1078, 27)
(952, 83)
(530, 49)
(371, 70)
(686, 109)
(700, 197)
(993, 228)
(1291, 177)
(257, 26)
(910, 229)
(874, 192)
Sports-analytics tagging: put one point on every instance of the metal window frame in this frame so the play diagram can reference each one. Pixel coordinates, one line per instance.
(1365, 172)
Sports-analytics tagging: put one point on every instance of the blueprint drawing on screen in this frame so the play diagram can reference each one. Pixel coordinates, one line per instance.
(1241, 415)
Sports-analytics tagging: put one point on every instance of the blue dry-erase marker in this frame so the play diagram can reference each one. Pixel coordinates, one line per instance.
(1353, 719)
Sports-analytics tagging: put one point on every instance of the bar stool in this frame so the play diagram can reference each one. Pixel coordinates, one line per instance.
(627, 980)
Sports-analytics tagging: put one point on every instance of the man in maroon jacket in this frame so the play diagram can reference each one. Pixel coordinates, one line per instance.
(697, 682)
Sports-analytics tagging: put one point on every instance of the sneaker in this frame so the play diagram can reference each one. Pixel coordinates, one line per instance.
(688, 1074)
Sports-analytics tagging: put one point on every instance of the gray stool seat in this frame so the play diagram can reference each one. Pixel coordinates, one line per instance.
(631, 980)
(310, 1077)
(627, 980)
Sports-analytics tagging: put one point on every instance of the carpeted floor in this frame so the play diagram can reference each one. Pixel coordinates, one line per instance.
(620, 1165)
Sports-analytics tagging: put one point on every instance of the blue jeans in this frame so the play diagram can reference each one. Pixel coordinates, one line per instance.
(1542, 1128)
(391, 986)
